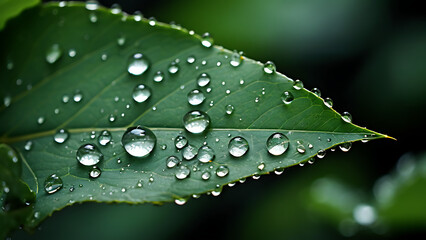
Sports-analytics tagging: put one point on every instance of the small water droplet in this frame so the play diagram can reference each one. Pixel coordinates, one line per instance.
(139, 184)
(346, 146)
(89, 155)
(141, 93)
(7, 100)
(300, 148)
(297, 84)
(123, 190)
(72, 188)
(152, 21)
(205, 154)
(229, 109)
(28, 145)
(137, 16)
(180, 142)
(277, 144)
(115, 8)
(190, 59)
(235, 59)
(256, 177)
(138, 141)
(111, 118)
(172, 161)
(53, 53)
(328, 102)
(180, 201)
(347, 117)
(61, 136)
(138, 64)
(261, 166)
(92, 5)
(65, 99)
(189, 152)
(40, 120)
(163, 146)
(218, 63)
(321, 153)
(204, 62)
(279, 171)
(196, 121)
(287, 97)
(173, 67)
(18, 82)
(93, 18)
(182, 172)
(316, 91)
(241, 82)
(222, 171)
(238, 146)
(205, 175)
(269, 67)
(158, 76)
(104, 138)
(196, 97)
(104, 57)
(216, 192)
(95, 172)
(72, 52)
(78, 96)
(121, 40)
(52, 184)
(203, 80)
(207, 40)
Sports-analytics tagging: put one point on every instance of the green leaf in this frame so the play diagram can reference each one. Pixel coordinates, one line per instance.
(33, 109)
(11, 8)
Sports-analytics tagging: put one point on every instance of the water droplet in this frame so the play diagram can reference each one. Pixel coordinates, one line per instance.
(115, 8)
(137, 16)
(95, 172)
(141, 93)
(28, 145)
(180, 142)
(92, 5)
(182, 172)
(139, 184)
(261, 166)
(297, 84)
(256, 176)
(229, 109)
(269, 67)
(180, 201)
(316, 91)
(111, 118)
(52, 184)
(196, 121)
(205, 175)
(190, 59)
(173, 67)
(238, 146)
(222, 171)
(65, 99)
(40, 120)
(138, 141)
(61, 136)
(311, 161)
(158, 76)
(189, 152)
(93, 18)
(287, 97)
(196, 97)
(7, 100)
(205, 154)
(321, 153)
(172, 161)
(346, 146)
(207, 40)
(328, 102)
(216, 192)
(89, 155)
(235, 59)
(204, 62)
(123, 190)
(347, 117)
(277, 144)
(72, 52)
(300, 148)
(279, 171)
(203, 80)
(121, 40)
(152, 21)
(218, 63)
(241, 82)
(104, 138)
(18, 82)
(78, 96)
(53, 53)
(138, 64)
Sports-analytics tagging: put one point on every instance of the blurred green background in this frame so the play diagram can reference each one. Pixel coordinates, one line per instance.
(370, 58)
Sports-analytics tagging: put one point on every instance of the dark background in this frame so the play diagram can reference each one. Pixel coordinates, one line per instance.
(368, 56)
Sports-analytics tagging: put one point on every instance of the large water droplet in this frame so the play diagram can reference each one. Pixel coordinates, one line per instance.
(203, 80)
(222, 171)
(95, 172)
(61, 136)
(297, 84)
(104, 138)
(89, 155)
(53, 53)
(269, 67)
(141, 93)
(346, 146)
(173, 67)
(138, 64)
(196, 97)
(158, 76)
(238, 146)
(189, 152)
(277, 144)
(52, 184)
(207, 40)
(182, 172)
(347, 117)
(205, 154)
(172, 161)
(235, 59)
(180, 142)
(138, 141)
(196, 121)
(287, 97)
(328, 102)
(229, 109)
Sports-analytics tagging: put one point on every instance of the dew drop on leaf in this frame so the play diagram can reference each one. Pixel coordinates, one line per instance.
(78, 96)
(115, 8)
(65, 98)
(95, 172)
(316, 91)
(205, 154)
(158, 76)
(180, 201)
(203, 79)
(261, 166)
(92, 5)
(297, 84)
(277, 144)
(328, 102)
(235, 59)
(189, 152)
(172, 161)
(195, 97)
(138, 141)
(190, 59)
(321, 153)
(72, 52)
(222, 171)
(111, 118)
(52, 184)
(196, 121)
(181, 142)
(205, 175)
(61, 136)
(182, 172)
(53, 53)
(287, 97)
(89, 155)
(269, 67)
(104, 138)
(28, 145)
(141, 93)
(346, 146)
(138, 64)
(238, 146)
(207, 40)
(173, 67)
(152, 21)
(93, 18)
(347, 117)
(300, 148)
(229, 109)
(137, 16)
(40, 120)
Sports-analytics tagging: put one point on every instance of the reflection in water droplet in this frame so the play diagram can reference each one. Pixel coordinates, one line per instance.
(203, 80)
(235, 59)
(104, 138)
(347, 117)
(172, 161)
(53, 53)
(297, 84)
(196, 121)
(141, 93)
(138, 64)
(196, 97)
(180, 142)
(238, 146)
(222, 171)
(207, 40)
(269, 67)
(95, 172)
(52, 184)
(346, 146)
(205, 154)
(205, 175)
(138, 141)
(89, 155)
(61, 136)
(173, 67)
(328, 102)
(277, 144)
(229, 109)
(287, 97)
(158, 76)
(182, 172)
(316, 91)
(189, 152)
